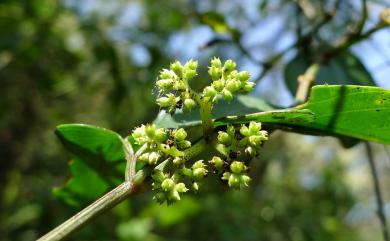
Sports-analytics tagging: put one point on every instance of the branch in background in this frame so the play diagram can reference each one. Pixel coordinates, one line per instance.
(379, 200)
(363, 20)
(305, 82)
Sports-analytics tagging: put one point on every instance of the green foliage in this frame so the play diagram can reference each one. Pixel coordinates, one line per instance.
(98, 165)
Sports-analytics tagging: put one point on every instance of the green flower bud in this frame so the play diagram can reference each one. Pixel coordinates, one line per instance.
(226, 176)
(180, 134)
(168, 184)
(250, 151)
(230, 130)
(150, 130)
(215, 73)
(140, 135)
(209, 93)
(188, 104)
(190, 73)
(217, 162)
(227, 95)
(144, 157)
(153, 158)
(184, 144)
(181, 187)
(249, 86)
(159, 176)
(191, 64)
(198, 164)
(174, 195)
(234, 180)
(178, 160)
(224, 138)
(165, 84)
(244, 130)
(176, 67)
(264, 135)
(232, 85)
(167, 74)
(244, 180)
(199, 173)
(179, 85)
(160, 135)
(218, 85)
(233, 75)
(230, 65)
(237, 167)
(244, 76)
(216, 62)
(195, 186)
(169, 100)
(255, 140)
(254, 127)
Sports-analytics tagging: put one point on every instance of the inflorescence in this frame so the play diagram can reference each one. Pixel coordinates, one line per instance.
(235, 146)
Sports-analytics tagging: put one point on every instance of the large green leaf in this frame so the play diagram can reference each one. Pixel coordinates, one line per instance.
(344, 69)
(99, 160)
(361, 112)
(355, 111)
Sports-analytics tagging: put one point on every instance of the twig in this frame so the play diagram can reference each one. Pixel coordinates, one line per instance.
(380, 211)
(305, 82)
(104, 203)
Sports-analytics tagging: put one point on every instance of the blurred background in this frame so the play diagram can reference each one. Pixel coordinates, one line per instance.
(96, 61)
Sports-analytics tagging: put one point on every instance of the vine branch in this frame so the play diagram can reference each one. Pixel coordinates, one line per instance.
(379, 200)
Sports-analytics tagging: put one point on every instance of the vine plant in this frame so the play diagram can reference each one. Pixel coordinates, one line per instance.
(176, 163)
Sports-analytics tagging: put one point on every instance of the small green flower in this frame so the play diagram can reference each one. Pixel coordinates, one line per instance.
(237, 167)
(224, 138)
(198, 170)
(180, 134)
(230, 65)
(217, 162)
(227, 95)
(168, 184)
(177, 68)
(209, 93)
(216, 62)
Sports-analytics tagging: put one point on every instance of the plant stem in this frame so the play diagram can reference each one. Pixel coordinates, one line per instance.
(305, 82)
(194, 150)
(379, 200)
(206, 117)
(83, 217)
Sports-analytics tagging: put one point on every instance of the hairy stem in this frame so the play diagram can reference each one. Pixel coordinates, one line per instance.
(194, 150)
(206, 117)
(100, 206)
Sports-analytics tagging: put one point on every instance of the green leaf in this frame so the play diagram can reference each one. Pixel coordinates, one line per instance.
(355, 111)
(344, 69)
(84, 187)
(99, 161)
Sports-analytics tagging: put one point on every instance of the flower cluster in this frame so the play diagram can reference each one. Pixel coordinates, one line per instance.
(226, 81)
(231, 145)
(158, 145)
(171, 154)
(237, 177)
(168, 187)
(173, 84)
